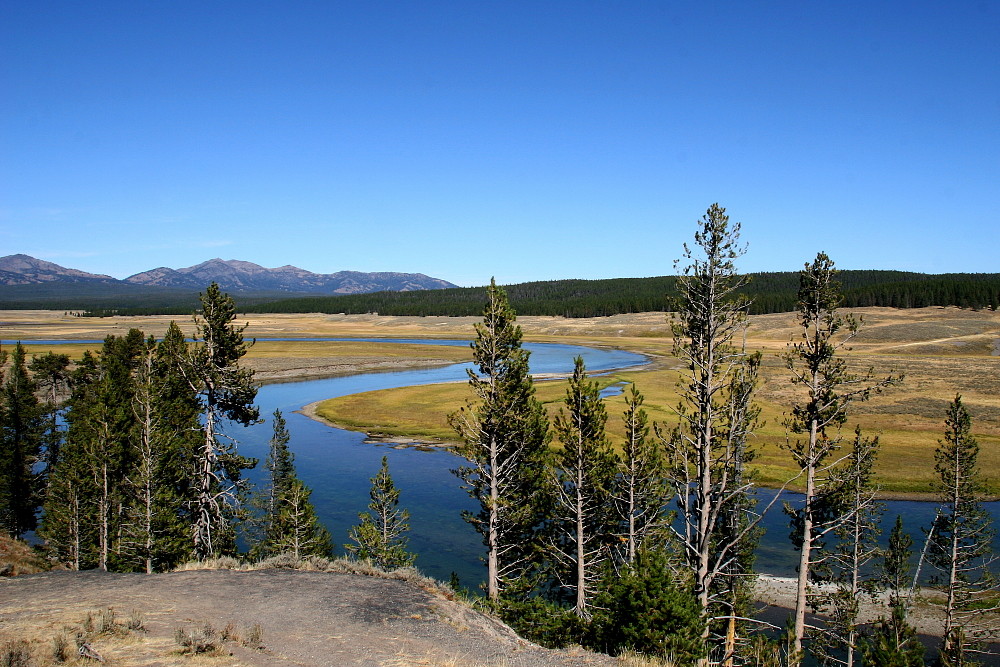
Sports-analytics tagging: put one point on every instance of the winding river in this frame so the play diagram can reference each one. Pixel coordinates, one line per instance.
(338, 464)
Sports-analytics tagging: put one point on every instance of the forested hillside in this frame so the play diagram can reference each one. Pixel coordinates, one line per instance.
(770, 292)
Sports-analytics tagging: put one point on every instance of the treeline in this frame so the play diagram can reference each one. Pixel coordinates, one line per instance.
(649, 543)
(769, 293)
(126, 460)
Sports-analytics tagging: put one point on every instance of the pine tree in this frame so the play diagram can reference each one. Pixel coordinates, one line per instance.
(855, 548)
(177, 410)
(69, 519)
(154, 535)
(892, 641)
(707, 452)
(380, 537)
(505, 435)
(227, 392)
(288, 519)
(51, 373)
(640, 490)
(20, 448)
(102, 425)
(583, 522)
(280, 464)
(298, 531)
(960, 542)
(830, 389)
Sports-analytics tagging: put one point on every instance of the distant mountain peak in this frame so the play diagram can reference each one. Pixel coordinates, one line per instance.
(232, 275)
(23, 269)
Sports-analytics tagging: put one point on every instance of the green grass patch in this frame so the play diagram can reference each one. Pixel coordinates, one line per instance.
(906, 462)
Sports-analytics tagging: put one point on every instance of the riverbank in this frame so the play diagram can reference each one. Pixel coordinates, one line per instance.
(311, 410)
(777, 594)
(291, 369)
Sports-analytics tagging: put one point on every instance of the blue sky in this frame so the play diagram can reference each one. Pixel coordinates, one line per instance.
(522, 140)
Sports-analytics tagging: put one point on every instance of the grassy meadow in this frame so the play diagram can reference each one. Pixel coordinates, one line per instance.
(940, 351)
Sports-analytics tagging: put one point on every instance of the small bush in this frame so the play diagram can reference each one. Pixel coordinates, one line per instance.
(61, 651)
(543, 622)
(228, 633)
(220, 563)
(135, 621)
(198, 642)
(285, 560)
(107, 623)
(645, 610)
(628, 658)
(16, 654)
(254, 637)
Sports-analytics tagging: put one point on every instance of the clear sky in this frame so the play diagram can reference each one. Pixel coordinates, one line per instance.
(522, 140)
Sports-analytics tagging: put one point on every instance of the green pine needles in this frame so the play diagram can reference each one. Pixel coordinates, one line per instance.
(290, 524)
(381, 535)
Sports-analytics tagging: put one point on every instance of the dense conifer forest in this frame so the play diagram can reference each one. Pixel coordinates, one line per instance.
(769, 292)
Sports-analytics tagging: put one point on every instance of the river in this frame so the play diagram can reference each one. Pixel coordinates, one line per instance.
(338, 464)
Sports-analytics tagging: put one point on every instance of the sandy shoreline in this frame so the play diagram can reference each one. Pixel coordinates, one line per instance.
(779, 592)
(291, 369)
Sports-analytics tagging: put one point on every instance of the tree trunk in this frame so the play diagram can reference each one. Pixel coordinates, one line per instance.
(104, 508)
(492, 564)
(581, 567)
(802, 583)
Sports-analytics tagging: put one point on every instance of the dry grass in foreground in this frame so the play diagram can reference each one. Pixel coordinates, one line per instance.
(282, 611)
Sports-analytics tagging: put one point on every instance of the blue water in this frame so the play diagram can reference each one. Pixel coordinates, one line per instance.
(338, 464)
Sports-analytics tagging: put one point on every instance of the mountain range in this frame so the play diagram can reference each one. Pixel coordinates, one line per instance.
(232, 276)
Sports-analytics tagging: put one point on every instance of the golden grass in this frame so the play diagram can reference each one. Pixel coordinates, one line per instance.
(909, 418)
(359, 349)
(941, 351)
(17, 558)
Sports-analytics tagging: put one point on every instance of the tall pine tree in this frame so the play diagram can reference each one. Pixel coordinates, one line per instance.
(640, 490)
(51, 373)
(583, 522)
(505, 434)
(227, 392)
(20, 448)
(707, 452)
(288, 519)
(960, 546)
(818, 366)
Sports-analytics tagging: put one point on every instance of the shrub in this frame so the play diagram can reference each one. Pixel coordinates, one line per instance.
(61, 651)
(254, 637)
(16, 653)
(135, 621)
(644, 610)
(198, 642)
(543, 622)
(107, 622)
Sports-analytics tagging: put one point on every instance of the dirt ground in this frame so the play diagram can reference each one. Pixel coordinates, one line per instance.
(308, 619)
